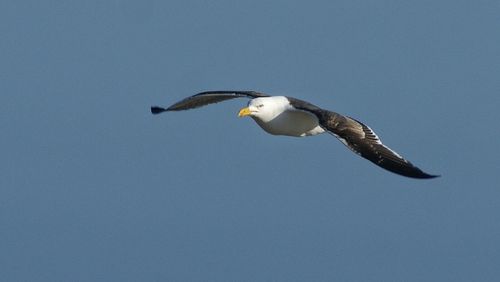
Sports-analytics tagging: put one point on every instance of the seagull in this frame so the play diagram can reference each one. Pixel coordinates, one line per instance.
(283, 115)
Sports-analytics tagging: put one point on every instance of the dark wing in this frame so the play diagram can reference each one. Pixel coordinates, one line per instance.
(205, 98)
(362, 140)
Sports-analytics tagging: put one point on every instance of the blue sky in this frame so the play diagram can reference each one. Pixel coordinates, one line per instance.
(95, 188)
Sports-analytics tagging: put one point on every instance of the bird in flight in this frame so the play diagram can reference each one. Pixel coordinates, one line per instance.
(282, 115)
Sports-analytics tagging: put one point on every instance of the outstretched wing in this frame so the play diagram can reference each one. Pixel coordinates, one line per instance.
(205, 98)
(362, 140)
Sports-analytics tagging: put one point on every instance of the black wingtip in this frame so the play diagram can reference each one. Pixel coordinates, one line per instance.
(157, 110)
(412, 172)
(415, 172)
(429, 176)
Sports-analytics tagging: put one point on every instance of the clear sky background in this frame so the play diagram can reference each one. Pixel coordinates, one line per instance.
(95, 188)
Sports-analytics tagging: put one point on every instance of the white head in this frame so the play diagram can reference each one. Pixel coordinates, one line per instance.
(265, 108)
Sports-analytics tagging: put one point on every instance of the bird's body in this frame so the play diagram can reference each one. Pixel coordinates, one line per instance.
(282, 119)
(281, 115)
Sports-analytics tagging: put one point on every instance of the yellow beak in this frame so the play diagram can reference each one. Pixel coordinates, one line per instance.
(244, 112)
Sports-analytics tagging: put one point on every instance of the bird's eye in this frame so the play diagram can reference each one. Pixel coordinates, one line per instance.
(260, 105)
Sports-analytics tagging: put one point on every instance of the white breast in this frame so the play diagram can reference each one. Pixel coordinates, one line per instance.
(291, 123)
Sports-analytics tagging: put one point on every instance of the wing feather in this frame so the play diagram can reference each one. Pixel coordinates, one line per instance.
(206, 98)
(362, 140)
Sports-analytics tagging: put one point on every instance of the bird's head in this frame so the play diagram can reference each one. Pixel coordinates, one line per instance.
(265, 108)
